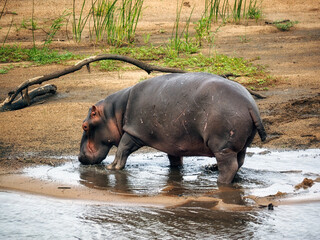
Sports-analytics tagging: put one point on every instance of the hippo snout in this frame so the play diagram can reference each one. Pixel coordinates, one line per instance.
(85, 159)
(88, 157)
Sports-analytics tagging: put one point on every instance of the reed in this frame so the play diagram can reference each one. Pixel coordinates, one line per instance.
(79, 24)
(112, 20)
(129, 16)
(103, 14)
(180, 39)
(220, 9)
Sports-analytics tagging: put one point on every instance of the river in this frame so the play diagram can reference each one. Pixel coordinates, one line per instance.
(265, 172)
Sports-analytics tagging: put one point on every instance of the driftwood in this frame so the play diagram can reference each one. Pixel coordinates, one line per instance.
(8, 103)
(33, 96)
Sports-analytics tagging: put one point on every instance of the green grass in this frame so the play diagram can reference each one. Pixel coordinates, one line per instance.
(113, 21)
(38, 56)
(253, 76)
(5, 70)
(285, 26)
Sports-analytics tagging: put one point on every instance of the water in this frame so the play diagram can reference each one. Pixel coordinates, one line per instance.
(25, 216)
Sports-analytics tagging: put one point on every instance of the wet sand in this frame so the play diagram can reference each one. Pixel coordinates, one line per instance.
(20, 183)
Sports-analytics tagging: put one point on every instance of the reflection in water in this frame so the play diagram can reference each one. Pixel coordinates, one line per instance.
(97, 177)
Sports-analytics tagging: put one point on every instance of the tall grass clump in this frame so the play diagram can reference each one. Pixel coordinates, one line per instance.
(79, 23)
(103, 14)
(129, 16)
(111, 20)
(213, 9)
(254, 10)
(180, 40)
(226, 10)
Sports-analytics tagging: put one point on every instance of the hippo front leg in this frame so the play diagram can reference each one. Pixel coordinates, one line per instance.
(128, 144)
(175, 162)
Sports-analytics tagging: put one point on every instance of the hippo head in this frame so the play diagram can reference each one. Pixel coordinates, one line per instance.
(100, 133)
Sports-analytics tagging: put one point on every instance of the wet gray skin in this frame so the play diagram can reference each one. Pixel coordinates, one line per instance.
(192, 114)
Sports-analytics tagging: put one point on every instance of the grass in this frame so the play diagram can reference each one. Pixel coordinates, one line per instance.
(103, 17)
(285, 25)
(252, 76)
(113, 21)
(78, 23)
(254, 10)
(5, 69)
(55, 27)
(11, 54)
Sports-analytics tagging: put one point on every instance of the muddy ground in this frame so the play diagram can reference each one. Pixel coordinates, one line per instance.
(39, 133)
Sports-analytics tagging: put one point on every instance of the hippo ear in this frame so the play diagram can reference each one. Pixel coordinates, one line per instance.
(93, 111)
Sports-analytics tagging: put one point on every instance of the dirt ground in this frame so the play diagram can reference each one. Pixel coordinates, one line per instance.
(41, 132)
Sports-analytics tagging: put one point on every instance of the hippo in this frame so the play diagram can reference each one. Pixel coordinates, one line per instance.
(189, 114)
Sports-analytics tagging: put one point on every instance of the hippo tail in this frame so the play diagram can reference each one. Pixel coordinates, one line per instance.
(258, 123)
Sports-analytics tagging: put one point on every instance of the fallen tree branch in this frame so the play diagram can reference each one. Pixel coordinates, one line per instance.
(29, 98)
(276, 22)
(253, 93)
(256, 94)
(40, 79)
(5, 105)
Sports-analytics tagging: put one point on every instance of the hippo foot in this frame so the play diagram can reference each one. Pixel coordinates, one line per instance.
(114, 167)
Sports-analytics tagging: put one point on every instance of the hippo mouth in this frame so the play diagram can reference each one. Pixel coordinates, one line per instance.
(90, 154)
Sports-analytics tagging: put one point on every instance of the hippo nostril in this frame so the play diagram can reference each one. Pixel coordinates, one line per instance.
(85, 127)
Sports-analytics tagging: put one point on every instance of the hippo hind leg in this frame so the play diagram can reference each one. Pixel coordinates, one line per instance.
(240, 157)
(242, 153)
(228, 166)
(175, 162)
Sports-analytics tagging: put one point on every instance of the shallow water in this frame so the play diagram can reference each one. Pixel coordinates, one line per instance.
(264, 173)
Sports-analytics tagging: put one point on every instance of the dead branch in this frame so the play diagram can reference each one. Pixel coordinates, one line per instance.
(256, 94)
(253, 93)
(5, 105)
(276, 22)
(29, 98)
(40, 79)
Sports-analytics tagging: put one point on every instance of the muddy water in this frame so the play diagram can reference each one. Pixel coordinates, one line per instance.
(264, 173)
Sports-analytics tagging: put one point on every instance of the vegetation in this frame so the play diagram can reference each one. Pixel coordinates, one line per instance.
(285, 25)
(251, 75)
(55, 27)
(5, 69)
(115, 22)
(10, 54)
(78, 24)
